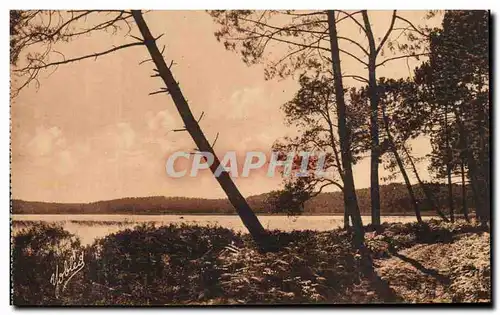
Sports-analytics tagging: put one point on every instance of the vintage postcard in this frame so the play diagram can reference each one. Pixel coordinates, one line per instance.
(250, 157)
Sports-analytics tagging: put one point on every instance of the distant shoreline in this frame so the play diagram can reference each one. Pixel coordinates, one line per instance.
(394, 202)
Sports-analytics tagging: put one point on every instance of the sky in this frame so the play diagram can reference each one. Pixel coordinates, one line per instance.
(91, 132)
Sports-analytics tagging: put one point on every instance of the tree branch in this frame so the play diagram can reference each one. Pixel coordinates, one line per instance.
(356, 77)
(412, 26)
(350, 15)
(95, 56)
(354, 56)
(393, 20)
(401, 57)
(355, 43)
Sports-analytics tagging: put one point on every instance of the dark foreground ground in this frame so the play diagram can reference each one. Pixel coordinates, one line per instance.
(433, 262)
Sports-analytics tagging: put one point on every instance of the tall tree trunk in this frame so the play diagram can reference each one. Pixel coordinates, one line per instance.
(464, 191)
(337, 160)
(375, 149)
(482, 124)
(448, 163)
(246, 214)
(401, 166)
(350, 199)
(484, 164)
(428, 194)
(450, 194)
(472, 168)
(477, 189)
(461, 138)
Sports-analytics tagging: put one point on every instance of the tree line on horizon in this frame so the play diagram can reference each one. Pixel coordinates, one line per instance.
(394, 201)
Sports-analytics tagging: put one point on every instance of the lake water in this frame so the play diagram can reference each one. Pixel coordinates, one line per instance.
(89, 227)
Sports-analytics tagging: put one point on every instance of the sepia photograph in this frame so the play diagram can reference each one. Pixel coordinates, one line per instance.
(250, 157)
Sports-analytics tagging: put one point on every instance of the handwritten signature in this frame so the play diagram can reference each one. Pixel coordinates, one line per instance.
(71, 268)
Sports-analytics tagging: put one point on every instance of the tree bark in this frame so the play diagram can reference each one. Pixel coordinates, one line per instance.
(374, 132)
(246, 214)
(350, 199)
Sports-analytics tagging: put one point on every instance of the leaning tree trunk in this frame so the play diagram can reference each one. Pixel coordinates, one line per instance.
(401, 166)
(427, 193)
(350, 199)
(375, 148)
(246, 214)
(409, 187)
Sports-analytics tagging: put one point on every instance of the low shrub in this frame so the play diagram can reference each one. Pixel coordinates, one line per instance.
(35, 252)
(186, 264)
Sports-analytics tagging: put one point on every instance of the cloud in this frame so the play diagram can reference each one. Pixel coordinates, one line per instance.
(48, 150)
(244, 102)
(160, 125)
(45, 141)
(112, 139)
(115, 143)
(161, 120)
